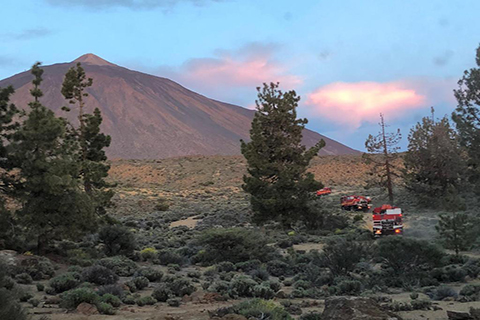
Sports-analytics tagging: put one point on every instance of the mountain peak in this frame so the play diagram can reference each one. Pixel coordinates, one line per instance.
(90, 58)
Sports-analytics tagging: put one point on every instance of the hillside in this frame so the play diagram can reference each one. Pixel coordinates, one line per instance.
(151, 117)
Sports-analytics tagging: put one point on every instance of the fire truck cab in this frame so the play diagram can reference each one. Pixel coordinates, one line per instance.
(387, 220)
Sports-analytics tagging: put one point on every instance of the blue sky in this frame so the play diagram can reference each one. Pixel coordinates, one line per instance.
(349, 60)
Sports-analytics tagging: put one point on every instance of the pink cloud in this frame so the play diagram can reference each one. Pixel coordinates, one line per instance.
(354, 103)
(229, 71)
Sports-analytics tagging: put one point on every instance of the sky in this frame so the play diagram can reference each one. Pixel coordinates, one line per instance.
(349, 60)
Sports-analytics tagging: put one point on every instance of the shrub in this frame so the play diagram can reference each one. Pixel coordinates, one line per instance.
(414, 295)
(219, 286)
(173, 302)
(234, 245)
(112, 300)
(99, 275)
(264, 292)
(131, 286)
(278, 268)
(141, 282)
(349, 287)
(153, 275)
(261, 309)
(114, 289)
(242, 286)
(147, 300)
(341, 256)
(65, 282)
(181, 287)
(10, 309)
(38, 267)
(8, 283)
(168, 256)
(34, 302)
(273, 284)
(24, 296)
(443, 292)
(470, 290)
(129, 300)
(71, 299)
(421, 304)
(407, 256)
(118, 240)
(105, 308)
(194, 274)
(148, 254)
(260, 274)
(225, 266)
(122, 266)
(162, 292)
(40, 287)
(23, 278)
(247, 266)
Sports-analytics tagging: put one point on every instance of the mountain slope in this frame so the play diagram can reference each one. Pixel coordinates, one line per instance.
(151, 117)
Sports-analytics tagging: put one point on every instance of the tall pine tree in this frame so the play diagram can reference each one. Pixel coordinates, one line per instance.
(92, 141)
(277, 180)
(434, 163)
(382, 152)
(53, 206)
(467, 118)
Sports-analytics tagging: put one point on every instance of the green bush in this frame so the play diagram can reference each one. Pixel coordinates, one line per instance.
(181, 287)
(153, 275)
(7, 282)
(470, 290)
(140, 282)
(118, 240)
(65, 282)
(147, 300)
(112, 300)
(174, 302)
(34, 302)
(129, 299)
(220, 287)
(341, 255)
(131, 286)
(162, 292)
(421, 304)
(225, 266)
(99, 275)
(349, 287)
(260, 274)
(10, 309)
(414, 295)
(167, 256)
(234, 245)
(120, 265)
(72, 298)
(40, 287)
(311, 316)
(38, 267)
(115, 289)
(148, 254)
(261, 309)
(443, 292)
(23, 278)
(278, 268)
(247, 266)
(263, 292)
(105, 308)
(242, 286)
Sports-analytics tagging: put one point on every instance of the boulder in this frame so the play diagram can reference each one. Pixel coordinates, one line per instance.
(456, 315)
(87, 309)
(9, 257)
(355, 308)
(475, 313)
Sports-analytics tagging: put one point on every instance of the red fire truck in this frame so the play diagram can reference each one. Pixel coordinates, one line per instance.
(356, 203)
(387, 220)
(324, 192)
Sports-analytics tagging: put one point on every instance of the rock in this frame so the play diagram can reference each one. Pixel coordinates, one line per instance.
(355, 308)
(9, 257)
(87, 309)
(456, 315)
(475, 313)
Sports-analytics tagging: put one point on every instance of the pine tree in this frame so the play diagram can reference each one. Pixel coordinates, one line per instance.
(92, 141)
(467, 117)
(433, 163)
(52, 203)
(382, 153)
(277, 180)
(456, 231)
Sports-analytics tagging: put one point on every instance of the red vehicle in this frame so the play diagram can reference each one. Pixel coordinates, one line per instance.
(356, 203)
(324, 192)
(387, 220)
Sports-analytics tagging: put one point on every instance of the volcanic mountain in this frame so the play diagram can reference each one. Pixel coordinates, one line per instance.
(151, 117)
